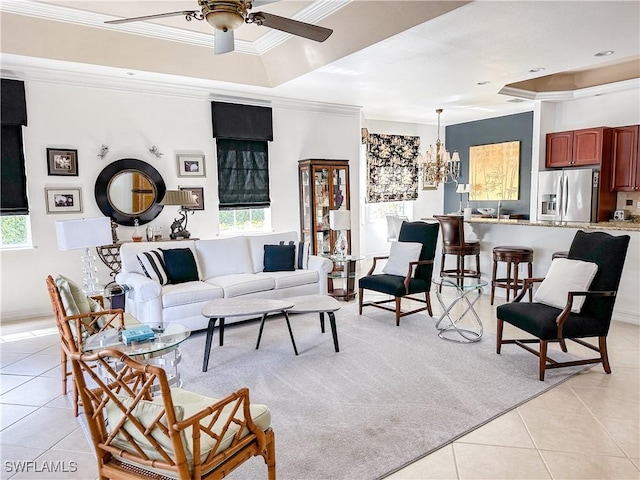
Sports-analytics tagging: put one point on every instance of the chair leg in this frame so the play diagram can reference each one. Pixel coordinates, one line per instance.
(543, 358)
(360, 301)
(63, 369)
(493, 279)
(530, 272)
(500, 326)
(563, 345)
(602, 343)
(398, 301)
(427, 297)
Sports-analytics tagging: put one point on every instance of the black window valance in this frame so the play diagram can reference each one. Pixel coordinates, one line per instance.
(13, 113)
(241, 122)
(243, 174)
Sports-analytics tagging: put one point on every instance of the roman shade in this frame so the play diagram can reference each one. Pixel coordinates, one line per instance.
(392, 170)
(13, 190)
(243, 174)
(241, 122)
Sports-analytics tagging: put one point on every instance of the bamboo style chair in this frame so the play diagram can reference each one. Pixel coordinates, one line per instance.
(176, 434)
(74, 328)
(551, 324)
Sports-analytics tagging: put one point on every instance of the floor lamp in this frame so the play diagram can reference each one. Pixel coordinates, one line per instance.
(85, 233)
(340, 220)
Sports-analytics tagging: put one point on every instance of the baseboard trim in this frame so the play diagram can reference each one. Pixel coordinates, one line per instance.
(8, 316)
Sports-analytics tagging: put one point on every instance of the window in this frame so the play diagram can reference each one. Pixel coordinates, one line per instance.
(16, 231)
(377, 212)
(245, 220)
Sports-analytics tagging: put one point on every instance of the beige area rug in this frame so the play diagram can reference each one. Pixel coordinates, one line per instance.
(390, 396)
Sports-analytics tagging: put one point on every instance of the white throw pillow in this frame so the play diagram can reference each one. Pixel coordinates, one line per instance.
(400, 254)
(564, 276)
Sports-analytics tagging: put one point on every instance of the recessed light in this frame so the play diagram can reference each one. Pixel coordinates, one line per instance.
(131, 73)
(516, 100)
(604, 53)
(484, 82)
(537, 69)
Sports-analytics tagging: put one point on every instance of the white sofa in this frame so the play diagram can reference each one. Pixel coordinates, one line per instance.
(227, 267)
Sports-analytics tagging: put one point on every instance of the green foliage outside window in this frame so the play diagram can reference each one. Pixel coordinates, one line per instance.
(15, 230)
(246, 219)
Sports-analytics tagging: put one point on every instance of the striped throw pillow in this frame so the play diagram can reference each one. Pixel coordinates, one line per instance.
(152, 263)
(301, 254)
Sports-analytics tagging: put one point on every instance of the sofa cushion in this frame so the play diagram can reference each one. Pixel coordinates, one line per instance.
(223, 256)
(129, 251)
(181, 265)
(279, 258)
(187, 293)
(242, 284)
(152, 263)
(289, 279)
(257, 243)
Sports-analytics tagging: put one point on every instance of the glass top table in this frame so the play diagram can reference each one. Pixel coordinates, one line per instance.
(447, 325)
(173, 335)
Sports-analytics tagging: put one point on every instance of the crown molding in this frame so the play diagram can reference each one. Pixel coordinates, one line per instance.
(313, 13)
(559, 96)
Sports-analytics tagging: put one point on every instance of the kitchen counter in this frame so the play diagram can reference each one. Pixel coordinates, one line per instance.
(620, 226)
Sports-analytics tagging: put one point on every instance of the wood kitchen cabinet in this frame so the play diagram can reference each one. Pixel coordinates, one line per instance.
(586, 147)
(324, 186)
(624, 162)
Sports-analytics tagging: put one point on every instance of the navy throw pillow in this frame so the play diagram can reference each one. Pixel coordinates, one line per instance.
(279, 258)
(180, 264)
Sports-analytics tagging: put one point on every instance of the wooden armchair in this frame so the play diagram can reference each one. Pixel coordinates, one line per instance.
(564, 320)
(416, 280)
(176, 434)
(75, 328)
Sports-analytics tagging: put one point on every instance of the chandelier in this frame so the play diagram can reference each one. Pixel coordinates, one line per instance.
(438, 166)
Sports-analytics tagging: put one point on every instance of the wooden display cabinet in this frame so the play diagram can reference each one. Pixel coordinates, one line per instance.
(324, 186)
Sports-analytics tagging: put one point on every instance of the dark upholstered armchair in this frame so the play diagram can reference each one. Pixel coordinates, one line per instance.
(418, 273)
(557, 324)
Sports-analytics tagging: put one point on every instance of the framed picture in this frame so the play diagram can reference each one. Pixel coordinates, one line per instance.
(198, 193)
(190, 165)
(62, 162)
(63, 200)
(427, 182)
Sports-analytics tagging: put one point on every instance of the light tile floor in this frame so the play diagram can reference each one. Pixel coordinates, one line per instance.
(586, 428)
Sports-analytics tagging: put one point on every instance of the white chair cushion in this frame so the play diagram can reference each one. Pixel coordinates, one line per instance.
(564, 276)
(224, 256)
(242, 284)
(187, 293)
(289, 279)
(400, 254)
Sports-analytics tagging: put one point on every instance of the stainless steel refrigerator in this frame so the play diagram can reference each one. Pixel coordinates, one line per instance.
(569, 195)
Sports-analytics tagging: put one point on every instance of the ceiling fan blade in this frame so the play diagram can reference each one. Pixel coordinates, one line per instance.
(294, 27)
(188, 13)
(223, 41)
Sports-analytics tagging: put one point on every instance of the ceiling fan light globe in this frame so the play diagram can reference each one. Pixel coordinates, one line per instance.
(224, 20)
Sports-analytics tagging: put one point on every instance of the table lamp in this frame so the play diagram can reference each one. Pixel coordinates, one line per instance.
(462, 189)
(85, 233)
(183, 198)
(340, 220)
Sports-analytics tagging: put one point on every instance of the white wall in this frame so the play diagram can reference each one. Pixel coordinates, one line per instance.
(84, 118)
(608, 110)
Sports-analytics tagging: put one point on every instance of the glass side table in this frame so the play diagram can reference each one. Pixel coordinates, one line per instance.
(346, 272)
(447, 325)
(154, 351)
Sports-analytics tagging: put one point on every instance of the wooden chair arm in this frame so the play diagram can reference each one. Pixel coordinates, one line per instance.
(112, 318)
(564, 314)
(409, 276)
(99, 299)
(373, 265)
(526, 286)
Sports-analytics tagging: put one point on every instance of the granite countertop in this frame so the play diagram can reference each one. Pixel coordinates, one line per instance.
(628, 226)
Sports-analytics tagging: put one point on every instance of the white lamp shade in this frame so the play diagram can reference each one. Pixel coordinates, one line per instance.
(462, 188)
(183, 198)
(340, 219)
(455, 157)
(83, 233)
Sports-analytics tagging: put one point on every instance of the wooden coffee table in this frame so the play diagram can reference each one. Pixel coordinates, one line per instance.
(222, 308)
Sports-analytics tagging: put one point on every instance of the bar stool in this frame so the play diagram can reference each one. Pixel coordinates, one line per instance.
(512, 256)
(453, 243)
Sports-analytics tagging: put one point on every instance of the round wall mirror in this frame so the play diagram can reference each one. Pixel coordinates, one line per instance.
(130, 189)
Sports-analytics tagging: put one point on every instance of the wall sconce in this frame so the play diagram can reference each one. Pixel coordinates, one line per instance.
(155, 151)
(103, 151)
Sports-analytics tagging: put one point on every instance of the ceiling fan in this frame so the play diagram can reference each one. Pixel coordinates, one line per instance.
(227, 15)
